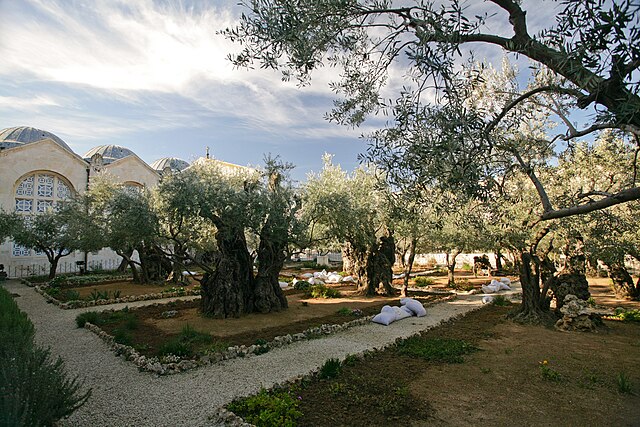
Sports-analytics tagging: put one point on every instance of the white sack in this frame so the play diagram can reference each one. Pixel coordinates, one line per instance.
(334, 278)
(348, 279)
(487, 299)
(384, 318)
(401, 313)
(307, 275)
(414, 305)
(283, 284)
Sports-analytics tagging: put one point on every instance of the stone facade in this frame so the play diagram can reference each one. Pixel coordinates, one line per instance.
(38, 169)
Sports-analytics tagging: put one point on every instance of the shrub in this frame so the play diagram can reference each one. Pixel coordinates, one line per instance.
(421, 281)
(40, 391)
(330, 369)
(309, 264)
(627, 315)
(462, 285)
(436, 349)
(71, 295)
(302, 285)
(185, 343)
(624, 383)
(549, 373)
(466, 267)
(344, 311)
(323, 291)
(268, 409)
(89, 316)
(501, 301)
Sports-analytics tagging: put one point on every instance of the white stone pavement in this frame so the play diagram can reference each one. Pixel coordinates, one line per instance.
(123, 396)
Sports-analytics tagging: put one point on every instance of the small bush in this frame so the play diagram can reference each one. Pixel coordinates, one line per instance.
(466, 267)
(122, 336)
(624, 383)
(309, 264)
(90, 316)
(462, 285)
(323, 291)
(549, 373)
(302, 285)
(71, 295)
(627, 315)
(185, 343)
(421, 281)
(41, 393)
(344, 311)
(266, 409)
(330, 369)
(501, 301)
(436, 349)
(591, 302)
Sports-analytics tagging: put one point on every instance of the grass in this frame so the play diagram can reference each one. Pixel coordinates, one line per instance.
(436, 349)
(330, 369)
(268, 409)
(421, 281)
(624, 384)
(501, 301)
(185, 343)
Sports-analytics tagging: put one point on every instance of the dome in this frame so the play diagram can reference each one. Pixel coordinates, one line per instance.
(109, 153)
(22, 135)
(174, 163)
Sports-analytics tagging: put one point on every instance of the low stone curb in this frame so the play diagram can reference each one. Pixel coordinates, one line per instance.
(132, 298)
(173, 364)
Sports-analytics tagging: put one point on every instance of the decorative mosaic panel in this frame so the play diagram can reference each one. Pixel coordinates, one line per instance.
(63, 191)
(24, 205)
(45, 186)
(26, 187)
(20, 250)
(43, 205)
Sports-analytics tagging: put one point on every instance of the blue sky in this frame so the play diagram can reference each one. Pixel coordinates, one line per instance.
(153, 76)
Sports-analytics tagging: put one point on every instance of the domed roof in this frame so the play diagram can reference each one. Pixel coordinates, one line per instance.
(109, 153)
(22, 135)
(174, 163)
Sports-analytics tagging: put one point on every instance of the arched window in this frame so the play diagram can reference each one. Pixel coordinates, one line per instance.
(36, 193)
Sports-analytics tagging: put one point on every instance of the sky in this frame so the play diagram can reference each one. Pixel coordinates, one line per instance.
(153, 76)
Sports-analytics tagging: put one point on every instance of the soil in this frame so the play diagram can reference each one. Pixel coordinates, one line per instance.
(502, 384)
(125, 287)
(153, 330)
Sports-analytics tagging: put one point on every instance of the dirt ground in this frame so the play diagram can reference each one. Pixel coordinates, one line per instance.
(303, 313)
(502, 384)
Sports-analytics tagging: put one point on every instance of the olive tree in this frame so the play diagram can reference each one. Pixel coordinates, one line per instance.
(207, 214)
(587, 58)
(352, 209)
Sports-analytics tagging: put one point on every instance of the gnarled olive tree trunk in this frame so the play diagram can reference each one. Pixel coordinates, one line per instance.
(372, 266)
(535, 301)
(451, 266)
(268, 295)
(227, 290)
(623, 282)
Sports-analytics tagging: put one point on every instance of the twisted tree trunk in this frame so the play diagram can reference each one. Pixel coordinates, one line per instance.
(228, 290)
(268, 295)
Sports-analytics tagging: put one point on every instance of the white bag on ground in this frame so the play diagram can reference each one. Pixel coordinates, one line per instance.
(414, 305)
(487, 299)
(334, 278)
(385, 318)
(348, 279)
(283, 284)
(307, 275)
(402, 312)
(506, 281)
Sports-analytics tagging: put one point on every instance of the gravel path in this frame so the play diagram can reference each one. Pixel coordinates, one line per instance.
(123, 396)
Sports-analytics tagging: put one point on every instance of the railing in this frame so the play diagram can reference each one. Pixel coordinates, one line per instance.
(19, 271)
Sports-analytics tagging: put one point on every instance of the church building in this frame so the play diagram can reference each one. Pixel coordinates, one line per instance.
(38, 169)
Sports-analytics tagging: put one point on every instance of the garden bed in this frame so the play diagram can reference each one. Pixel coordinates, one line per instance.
(110, 291)
(475, 370)
(173, 337)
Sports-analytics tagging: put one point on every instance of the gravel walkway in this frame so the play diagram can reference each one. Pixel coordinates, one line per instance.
(123, 396)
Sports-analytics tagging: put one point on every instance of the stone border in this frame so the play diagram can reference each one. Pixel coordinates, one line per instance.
(223, 416)
(172, 364)
(131, 298)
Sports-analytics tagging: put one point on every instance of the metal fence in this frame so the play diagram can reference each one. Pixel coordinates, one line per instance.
(26, 270)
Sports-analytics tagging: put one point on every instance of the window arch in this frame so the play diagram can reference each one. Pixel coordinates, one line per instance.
(36, 193)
